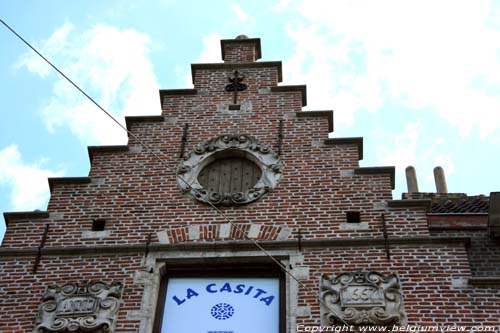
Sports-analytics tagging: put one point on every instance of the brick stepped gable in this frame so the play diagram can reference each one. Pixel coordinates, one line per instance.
(321, 180)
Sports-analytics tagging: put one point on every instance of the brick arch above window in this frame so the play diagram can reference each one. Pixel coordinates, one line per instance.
(225, 231)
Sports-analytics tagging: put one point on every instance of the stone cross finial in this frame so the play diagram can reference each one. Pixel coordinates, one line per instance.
(236, 85)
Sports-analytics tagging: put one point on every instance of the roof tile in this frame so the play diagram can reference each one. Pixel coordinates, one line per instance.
(470, 204)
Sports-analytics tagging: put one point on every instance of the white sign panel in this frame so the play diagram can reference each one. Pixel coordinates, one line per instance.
(221, 305)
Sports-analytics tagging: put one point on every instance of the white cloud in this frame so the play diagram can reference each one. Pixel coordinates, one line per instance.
(282, 5)
(435, 155)
(211, 49)
(247, 22)
(28, 182)
(412, 146)
(425, 54)
(446, 162)
(211, 53)
(53, 45)
(331, 77)
(112, 66)
(401, 149)
(240, 13)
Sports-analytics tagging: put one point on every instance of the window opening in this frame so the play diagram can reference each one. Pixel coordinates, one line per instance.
(353, 217)
(98, 224)
(222, 299)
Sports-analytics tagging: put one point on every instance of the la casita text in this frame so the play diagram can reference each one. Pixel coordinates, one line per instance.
(212, 288)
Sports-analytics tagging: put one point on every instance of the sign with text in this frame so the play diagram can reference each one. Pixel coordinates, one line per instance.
(221, 305)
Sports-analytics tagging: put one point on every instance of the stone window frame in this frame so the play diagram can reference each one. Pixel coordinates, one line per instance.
(223, 146)
(218, 269)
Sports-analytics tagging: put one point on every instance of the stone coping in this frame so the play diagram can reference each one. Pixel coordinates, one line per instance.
(378, 170)
(9, 216)
(129, 120)
(292, 88)
(354, 140)
(68, 181)
(254, 41)
(176, 92)
(320, 113)
(409, 203)
(92, 150)
(238, 65)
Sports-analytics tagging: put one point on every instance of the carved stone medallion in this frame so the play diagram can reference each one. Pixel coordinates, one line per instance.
(79, 307)
(362, 298)
(229, 147)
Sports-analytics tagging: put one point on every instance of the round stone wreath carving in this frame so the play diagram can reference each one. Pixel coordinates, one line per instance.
(243, 146)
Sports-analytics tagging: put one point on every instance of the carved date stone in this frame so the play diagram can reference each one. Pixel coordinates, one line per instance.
(362, 298)
(79, 307)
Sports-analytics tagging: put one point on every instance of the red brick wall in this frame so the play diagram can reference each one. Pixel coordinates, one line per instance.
(22, 290)
(425, 273)
(138, 196)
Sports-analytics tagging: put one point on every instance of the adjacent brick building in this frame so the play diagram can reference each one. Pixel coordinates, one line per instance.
(233, 181)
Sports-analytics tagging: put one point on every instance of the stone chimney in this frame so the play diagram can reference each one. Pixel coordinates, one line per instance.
(441, 187)
(240, 49)
(440, 180)
(411, 179)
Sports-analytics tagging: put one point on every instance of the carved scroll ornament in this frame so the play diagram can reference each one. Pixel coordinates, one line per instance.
(363, 298)
(79, 307)
(244, 146)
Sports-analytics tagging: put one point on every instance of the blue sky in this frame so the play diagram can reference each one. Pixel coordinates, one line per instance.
(419, 80)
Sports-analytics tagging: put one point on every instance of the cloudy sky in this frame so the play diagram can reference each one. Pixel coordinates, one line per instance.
(419, 80)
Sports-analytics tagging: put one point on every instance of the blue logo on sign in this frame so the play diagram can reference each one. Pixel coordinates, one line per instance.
(222, 311)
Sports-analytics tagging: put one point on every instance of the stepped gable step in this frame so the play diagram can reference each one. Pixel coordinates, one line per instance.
(292, 88)
(176, 92)
(92, 150)
(129, 120)
(252, 41)
(68, 181)
(378, 170)
(410, 203)
(32, 215)
(354, 140)
(238, 65)
(322, 113)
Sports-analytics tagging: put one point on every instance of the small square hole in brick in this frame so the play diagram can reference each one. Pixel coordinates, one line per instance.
(353, 217)
(98, 224)
(234, 107)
